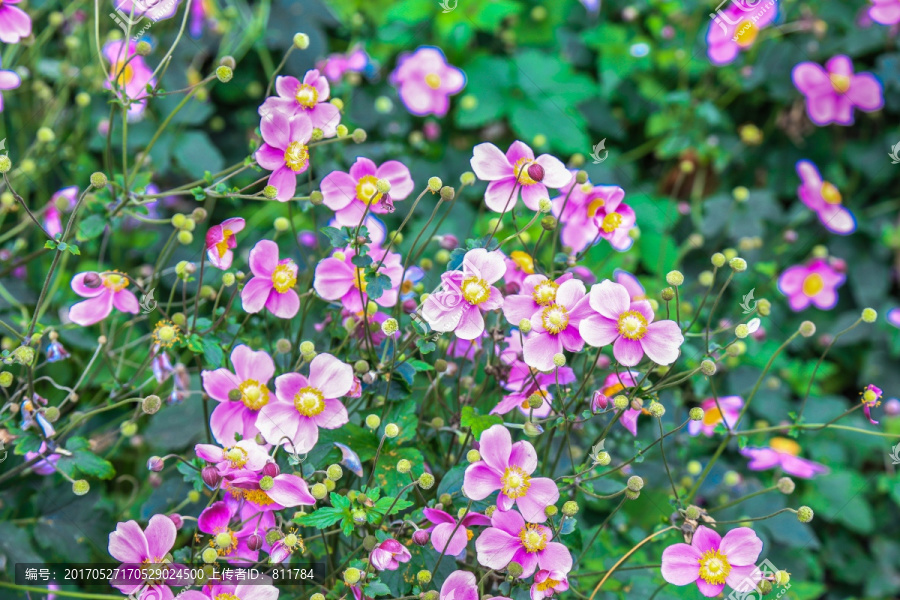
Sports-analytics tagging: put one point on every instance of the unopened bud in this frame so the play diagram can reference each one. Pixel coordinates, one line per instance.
(696, 414)
(635, 483)
(151, 404)
(807, 329)
(570, 508)
(155, 464)
(536, 172)
(785, 485)
(805, 514)
(426, 480)
(210, 476)
(707, 367)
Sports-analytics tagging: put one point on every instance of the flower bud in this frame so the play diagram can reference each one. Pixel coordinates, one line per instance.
(532, 429)
(6, 379)
(514, 569)
(426, 480)
(391, 430)
(352, 576)
(420, 537)
(99, 180)
(741, 331)
(635, 483)
(805, 514)
(548, 223)
(255, 542)
(435, 184)
(667, 294)
(318, 491)
(447, 193)
(334, 472)
(5, 163)
(675, 278)
(631, 494)
(785, 485)
(570, 508)
(390, 327)
(581, 177)
(429, 595)
(373, 421)
(473, 456)
(738, 264)
(782, 578)
(656, 409)
(80, 487)
(869, 315)
(155, 464)
(359, 136)
(536, 172)
(807, 329)
(301, 41)
(603, 458)
(423, 576)
(266, 483)
(621, 402)
(696, 414)
(764, 587)
(708, 367)
(404, 466)
(718, 259)
(210, 476)
(692, 512)
(209, 555)
(151, 404)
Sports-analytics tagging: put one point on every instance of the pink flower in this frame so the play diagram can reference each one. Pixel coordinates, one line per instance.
(524, 381)
(593, 212)
(871, 398)
(103, 292)
(736, 28)
(303, 405)
(338, 279)
(813, 283)
(465, 294)
(68, 197)
(508, 467)
(388, 555)
(886, 12)
(782, 452)
(832, 93)
(285, 151)
(230, 543)
(9, 80)
(519, 265)
(712, 416)
(348, 194)
(613, 385)
(309, 97)
(45, 466)
(630, 326)
(631, 283)
(247, 499)
(517, 172)
(536, 293)
(15, 23)
(335, 65)
(711, 561)
(132, 546)
(154, 10)
(893, 317)
(425, 81)
(253, 370)
(546, 583)
(130, 74)
(460, 585)
(444, 525)
(823, 198)
(244, 455)
(273, 282)
(556, 327)
(510, 539)
(218, 591)
(220, 240)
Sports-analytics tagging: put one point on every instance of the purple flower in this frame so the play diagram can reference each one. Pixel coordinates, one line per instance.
(15, 23)
(9, 80)
(546, 583)
(44, 466)
(253, 591)
(388, 555)
(593, 212)
(516, 173)
(712, 416)
(507, 467)
(285, 151)
(425, 81)
(444, 525)
(833, 92)
(886, 12)
(736, 28)
(273, 282)
(103, 292)
(823, 198)
(247, 499)
(893, 317)
(228, 542)
(511, 539)
(68, 197)
(631, 283)
(814, 283)
(782, 452)
(711, 561)
(155, 10)
(309, 96)
(335, 65)
(461, 585)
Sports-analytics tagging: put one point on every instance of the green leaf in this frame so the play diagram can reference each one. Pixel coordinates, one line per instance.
(212, 351)
(84, 462)
(478, 423)
(193, 150)
(339, 238)
(420, 365)
(385, 503)
(198, 193)
(91, 227)
(376, 285)
(50, 244)
(386, 474)
(321, 518)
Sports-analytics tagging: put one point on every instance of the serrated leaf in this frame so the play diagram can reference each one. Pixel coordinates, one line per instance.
(339, 238)
(321, 518)
(478, 423)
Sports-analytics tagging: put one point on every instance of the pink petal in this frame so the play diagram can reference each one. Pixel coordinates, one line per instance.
(338, 190)
(275, 128)
(810, 78)
(598, 331)
(160, 534)
(499, 196)
(542, 493)
(555, 173)
(662, 341)
(741, 546)
(277, 421)
(227, 419)
(214, 519)
(628, 352)
(495, 548)
(333, 415)
(524, 456)
(333, 278)
(219, 383)
(269, 158)
(307, 435)
(570, 292)
(255, 294)
(289, 490)
(866, 92)
(283, 306)
(485, 265)
(822, 109)
(471, 324)
(610, 299)
(517, 151)
(79, 287)
(126, 302)
(285, 181)
(443, 542)
(330, 376)
(495, 447)
(489, 163)
(705, 539)
(252, 365)
(398, 174)
(127, 543)
(709, 590)
(540, 347)
(480, 481)
(555, 557)
(743, 578)
(92, 310)
(264, 258)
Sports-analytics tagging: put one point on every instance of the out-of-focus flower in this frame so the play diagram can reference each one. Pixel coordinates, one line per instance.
(784, 453)
(814, 283)
(425, 81)
(834, 91)
(736, 28)
(15, 24)
(885, 12)
(871, 398)
(335, 65)
(129, 75)
(823, 198)
(53, 214)
(712, 416)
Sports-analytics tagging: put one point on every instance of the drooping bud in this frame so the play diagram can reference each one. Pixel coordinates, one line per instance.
(421, 537)
(211, 476)
(155, 464)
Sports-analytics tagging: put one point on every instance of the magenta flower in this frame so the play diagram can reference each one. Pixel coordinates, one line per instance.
(730, 409)
(815, 283)
(67, 197)
(246, 499)
(629, 327)
(460, 585)
(229, 543)
(833, 92)
(444, 525)
(736, 28)
(612, 386)
(349, 194)
(425, 81)
(893, 317)
(885, 12)
(15, 23)
(219, 591)
(823, 198)
(388, 555)
(516, 173)
(782, 452)
(465, 294)
(593, 212)
(220, 240)
(309, 97)
(871, 398)
(103, 292)
(45, 466)
(524, 381)
(335, 65)
(131, 545)
(536, 293)
(245, 455)
(231, 418)
(155, 11)
(303, 405)
(546, 583)
(273, 282)
(556, 327)
(129, 75)
(9, 80)
(338, 279)
(511, 539)
(711, 561)
(285, 151)
(508, 467)
(519, 265)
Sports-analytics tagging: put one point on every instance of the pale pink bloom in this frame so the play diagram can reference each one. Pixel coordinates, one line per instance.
(388, 555)
(155, 10)
(285, 151)
(131, 545)
(511, 539)
(348, 194)
(712, 416)
(15, 23)
(834, 91)
(536, 293)
(246, 499)
(338, 279)
(613, 385)
(556, 327)
(711, 561)
(304, 405)
(629, 327)
(45, 466)
(885, 12)
(782, 452)
(507, 467)
(103, 292)
(252, 372)
(220, 241)
(243, 455)
(309, 96)
(516, 173)
(465, 294)
(53, 214)
(425, 81)
(814, 283)
(519, 265)
(546, 583)
(631, 283)
(9, 80)
(335, 65)
(461, 585)
(272, 285)
(823, 198)
(443, 537)
(130, 74)
(591, 213)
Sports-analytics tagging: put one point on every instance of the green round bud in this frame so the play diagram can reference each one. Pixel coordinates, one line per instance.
(467, 178)
(316, 198)
(635, 483)
(223, 540)
(706, 278)
(301, 41)
(272, 536)
(373, 421)
(361, 367)
(708, 367)
(741, 331)
(667, 294)
(209, 555)
(632, 494)
(525, 326)
(390, 326)
(473, 456)
(5, 163)
(807, 329)
(80, 487)
(675, 278)
(550, 510)
(429, 595)
(764, 307)
(447, 193)
(266, 483)
(358, 137)
(435, 184)
(696, 414)
(656, 409)
(270, 192)
(426, 480)
(352, 576)
(536, 400)
(391, 430)
(281, 224)
(317, 596)
(440, 365)
(559, 359)
(6, 379)
(334, 472)
(128, 428)
(531, 429)
(423, 576)
(45, 135)
(404, 466)
(764, 587)
(731, 478)
(570, 508)
(342, 131)
(514, 569)
(369, 542)
(786, 485)
(869, 315)
(621, 402)
(581, 177)
(151, 404)
(692, 512)
(307, 347)
(437, 422)
(782, 578)
(224, 74)
(738, 264)
(185, 237)
(318, 491)
(718, 259)
(143, 48)
(548, 223)
(603, 458)
(99, 180)
(359, 516)
(805, 514)
(193, 496)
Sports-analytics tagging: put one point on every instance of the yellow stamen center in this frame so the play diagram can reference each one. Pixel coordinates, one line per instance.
(284, 277)
(515, 482)
(165, 334)
(840, 83)
(359, 280)
(714, 567)
(632, 325)
(236, 456)
(367, 190)
(545, 292)
(788, 446)
(594, 206)
(813, 284)
(126, 73)
(520, 169)
(115, 281)
(433, 80)
(254, 395)
(712, 417)
(296, 157)
(258, 497)
(306, 95)
(746, 34)
(226, 597)
(222, 247)
(523, 260)
(555, 318)
(547, 584)
(309, 402)
(611, 222)
(475, 290)
(830, 193)
(533, 538)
